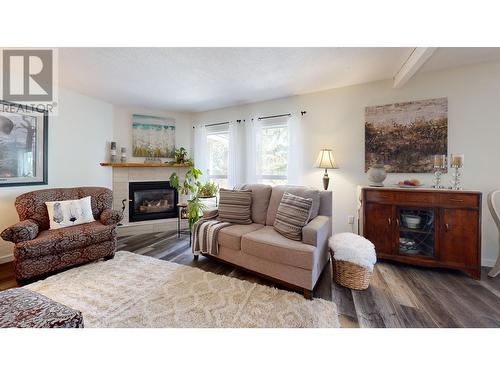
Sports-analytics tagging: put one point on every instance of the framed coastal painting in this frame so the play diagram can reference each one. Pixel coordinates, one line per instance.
(405, 136)
(153, 136)
(23, 145)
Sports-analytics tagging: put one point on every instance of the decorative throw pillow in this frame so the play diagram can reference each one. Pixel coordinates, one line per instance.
(68, 213)
(235, 206)
(292, 215)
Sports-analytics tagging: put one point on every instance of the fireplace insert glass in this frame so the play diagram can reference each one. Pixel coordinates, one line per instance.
(152, 201)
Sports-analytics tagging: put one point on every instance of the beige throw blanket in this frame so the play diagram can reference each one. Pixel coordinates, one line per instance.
(205, 236)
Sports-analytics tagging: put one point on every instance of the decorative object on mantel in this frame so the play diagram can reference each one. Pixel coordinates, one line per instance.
(377, 174)
(457, 163)
(123, 157)
(495, 213)
(439, 167)
(326, 161)
(23, 145)
(180, 155)
(406, 135)
(153, 137)
(112, 152)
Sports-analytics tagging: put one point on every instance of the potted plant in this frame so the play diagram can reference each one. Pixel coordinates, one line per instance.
(208, 190)
(180, 157)
(190, 187)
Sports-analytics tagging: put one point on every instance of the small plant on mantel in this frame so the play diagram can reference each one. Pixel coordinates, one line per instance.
(181, 158)
(190, 187)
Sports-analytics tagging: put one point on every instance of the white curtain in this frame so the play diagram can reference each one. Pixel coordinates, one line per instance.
(253, 136)
(295, 147)
(235, 154)
(200, 151)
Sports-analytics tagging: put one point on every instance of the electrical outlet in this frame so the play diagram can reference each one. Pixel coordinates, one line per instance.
(350, 219)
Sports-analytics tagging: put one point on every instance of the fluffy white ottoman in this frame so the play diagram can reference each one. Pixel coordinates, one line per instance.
(353, 258)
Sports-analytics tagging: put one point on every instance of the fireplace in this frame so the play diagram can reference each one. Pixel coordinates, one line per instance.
(152, 200)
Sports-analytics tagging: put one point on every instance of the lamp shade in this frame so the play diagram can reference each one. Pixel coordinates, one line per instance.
(325, 159)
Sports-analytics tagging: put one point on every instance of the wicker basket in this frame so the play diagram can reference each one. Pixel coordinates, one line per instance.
(351, 275)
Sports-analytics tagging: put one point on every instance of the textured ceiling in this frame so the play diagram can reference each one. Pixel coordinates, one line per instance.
(199, 79)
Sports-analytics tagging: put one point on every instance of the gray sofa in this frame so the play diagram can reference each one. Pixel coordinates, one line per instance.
(257, 247)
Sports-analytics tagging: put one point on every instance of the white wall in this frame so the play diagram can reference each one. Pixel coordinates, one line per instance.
(122, 128)
(77, 143)
(335, 118)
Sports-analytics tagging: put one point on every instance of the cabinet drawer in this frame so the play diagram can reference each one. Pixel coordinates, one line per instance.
(400, 197)
(459, 200)
(379, 196)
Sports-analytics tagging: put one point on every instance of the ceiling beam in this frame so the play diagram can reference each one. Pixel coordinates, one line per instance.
(417, 58)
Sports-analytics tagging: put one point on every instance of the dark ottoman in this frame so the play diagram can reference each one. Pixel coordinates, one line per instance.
(22, 308)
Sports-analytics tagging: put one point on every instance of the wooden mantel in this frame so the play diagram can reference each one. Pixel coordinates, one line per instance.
(141, 165)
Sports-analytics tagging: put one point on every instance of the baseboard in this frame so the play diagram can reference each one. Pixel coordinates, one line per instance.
(6, 258)
(488, 262)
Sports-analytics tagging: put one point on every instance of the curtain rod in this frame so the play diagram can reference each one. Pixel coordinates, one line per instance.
(215, 123)
(274, 116)
(283, 115)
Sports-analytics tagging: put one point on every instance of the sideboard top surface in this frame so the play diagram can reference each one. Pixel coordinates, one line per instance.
(422, 190)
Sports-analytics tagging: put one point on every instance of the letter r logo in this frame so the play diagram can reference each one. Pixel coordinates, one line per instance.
(27, 75)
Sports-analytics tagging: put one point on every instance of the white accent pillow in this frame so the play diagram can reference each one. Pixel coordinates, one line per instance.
(68, 213)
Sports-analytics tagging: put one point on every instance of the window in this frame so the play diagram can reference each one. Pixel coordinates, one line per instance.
(272, 146)
(217, 154)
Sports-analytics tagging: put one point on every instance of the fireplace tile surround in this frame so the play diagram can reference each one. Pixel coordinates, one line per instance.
(122, 176)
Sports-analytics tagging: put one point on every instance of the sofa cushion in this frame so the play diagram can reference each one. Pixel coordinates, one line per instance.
(231, 236)
(300, 191)
(293, 214)
(268, 244)
(60, 240)
(261, 194)
(235, 206)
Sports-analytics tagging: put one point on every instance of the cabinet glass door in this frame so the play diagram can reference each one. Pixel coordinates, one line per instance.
(416, 231)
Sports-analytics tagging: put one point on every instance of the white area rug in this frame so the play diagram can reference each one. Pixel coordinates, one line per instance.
(137, 291)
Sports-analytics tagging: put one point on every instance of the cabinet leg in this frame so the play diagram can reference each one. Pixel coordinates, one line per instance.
(475, 274)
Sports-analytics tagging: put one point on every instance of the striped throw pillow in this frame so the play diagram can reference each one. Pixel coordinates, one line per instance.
(292, 215)
(235, 206)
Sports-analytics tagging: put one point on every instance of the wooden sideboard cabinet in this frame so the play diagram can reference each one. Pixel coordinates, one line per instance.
(425, 227)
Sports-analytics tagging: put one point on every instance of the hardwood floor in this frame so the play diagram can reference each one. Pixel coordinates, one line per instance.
(399, 295)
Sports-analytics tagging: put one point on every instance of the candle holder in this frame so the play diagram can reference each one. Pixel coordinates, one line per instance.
(439, 166)
(457, 163)
(123, 157)
(112, 152)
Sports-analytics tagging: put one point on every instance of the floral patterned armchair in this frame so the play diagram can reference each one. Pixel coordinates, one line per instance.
(39, 251)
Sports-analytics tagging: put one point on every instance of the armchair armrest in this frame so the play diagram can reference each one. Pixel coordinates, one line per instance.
(211, 214)
(317, 231)
(111, 217)
(23, 231)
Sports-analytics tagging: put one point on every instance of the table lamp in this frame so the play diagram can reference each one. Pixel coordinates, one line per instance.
(326, 161)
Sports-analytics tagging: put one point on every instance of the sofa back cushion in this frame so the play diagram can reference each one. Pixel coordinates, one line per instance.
(292, 215)
(261, 194)
(32, 205)
(235, 206)
(300, 191)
